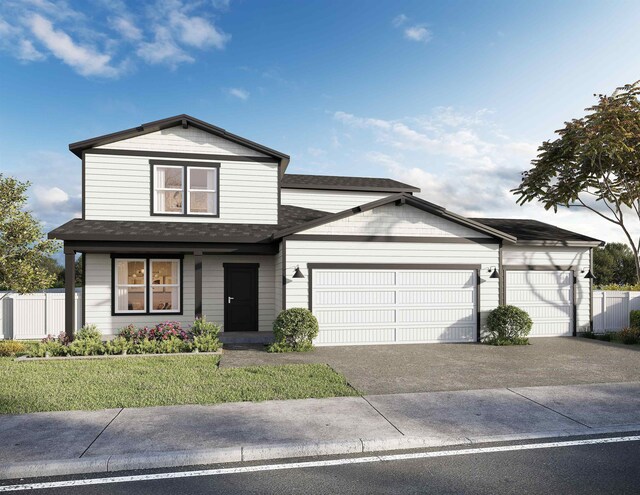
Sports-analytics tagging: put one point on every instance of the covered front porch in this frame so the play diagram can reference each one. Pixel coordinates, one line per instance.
(238, 286)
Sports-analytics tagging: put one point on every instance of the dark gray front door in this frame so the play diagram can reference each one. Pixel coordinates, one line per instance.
(240, 297)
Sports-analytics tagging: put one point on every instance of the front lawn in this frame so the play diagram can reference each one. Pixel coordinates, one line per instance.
(156, 381)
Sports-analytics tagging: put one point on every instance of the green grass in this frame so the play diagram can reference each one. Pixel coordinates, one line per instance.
(156, 381)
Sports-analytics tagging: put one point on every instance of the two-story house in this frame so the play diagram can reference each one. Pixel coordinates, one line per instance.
(181, 218)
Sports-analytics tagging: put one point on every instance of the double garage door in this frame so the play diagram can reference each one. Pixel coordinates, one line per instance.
(547, 296)
(380, 306)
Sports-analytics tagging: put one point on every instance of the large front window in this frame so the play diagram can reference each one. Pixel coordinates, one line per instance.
(146, 285)
(184, 189)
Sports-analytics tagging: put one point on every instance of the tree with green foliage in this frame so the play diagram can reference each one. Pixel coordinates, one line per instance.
(614, 264)
(23, 248)
(594, 164)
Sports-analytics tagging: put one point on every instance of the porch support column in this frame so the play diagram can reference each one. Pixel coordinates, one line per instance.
(197, 255)
(69, 293)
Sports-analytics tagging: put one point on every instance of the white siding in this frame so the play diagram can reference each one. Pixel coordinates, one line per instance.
(559, 256)
(99, 294)
(303, 252)
(213, 288)
(328, 200)
(278, 280)
(117, 187)
(179, 140)
(392, 220)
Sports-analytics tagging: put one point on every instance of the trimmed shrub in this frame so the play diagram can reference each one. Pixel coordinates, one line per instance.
(508, 325)
(205, 343)
(10, 348)
(634, 318)
(89, 346)
(294, 330)
(629, 336)
(119, 345)
(89, 332)
(203, 327)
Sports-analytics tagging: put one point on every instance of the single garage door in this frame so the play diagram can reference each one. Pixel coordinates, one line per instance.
(381, 306)
(548, 298)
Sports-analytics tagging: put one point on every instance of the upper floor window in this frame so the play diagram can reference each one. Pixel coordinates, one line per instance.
(184, 189)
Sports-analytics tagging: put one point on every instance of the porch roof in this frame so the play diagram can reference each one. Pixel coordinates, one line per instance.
(195, 232)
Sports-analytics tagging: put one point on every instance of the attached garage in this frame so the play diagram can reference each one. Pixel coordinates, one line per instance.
(547, 295)
(383, 304)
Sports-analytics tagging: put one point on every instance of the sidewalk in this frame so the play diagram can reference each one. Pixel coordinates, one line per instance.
(42, 444)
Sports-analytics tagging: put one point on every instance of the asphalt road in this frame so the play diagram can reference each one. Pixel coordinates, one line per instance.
(602, 468)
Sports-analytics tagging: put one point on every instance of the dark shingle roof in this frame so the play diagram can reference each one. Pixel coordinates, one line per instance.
(533, 230)
(124, 230)
(298, 181)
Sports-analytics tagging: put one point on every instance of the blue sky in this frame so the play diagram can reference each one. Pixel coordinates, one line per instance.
(452, 96)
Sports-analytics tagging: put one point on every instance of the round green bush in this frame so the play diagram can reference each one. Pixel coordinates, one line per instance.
(508, 325)
(294, 330)
(89, 332)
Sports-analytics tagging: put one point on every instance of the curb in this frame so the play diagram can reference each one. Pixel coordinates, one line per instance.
(157, 460)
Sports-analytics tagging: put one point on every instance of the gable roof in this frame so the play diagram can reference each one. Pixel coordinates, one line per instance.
(400, 199)
(121, 230)
(183, 120)
(529, 231)
(338, 183)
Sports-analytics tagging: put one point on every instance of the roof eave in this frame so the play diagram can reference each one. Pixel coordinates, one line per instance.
(565, 243)
(390, 190)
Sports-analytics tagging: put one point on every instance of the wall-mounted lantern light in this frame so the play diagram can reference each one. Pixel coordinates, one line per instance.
(298, 273)
(588, 275)
(494, 273)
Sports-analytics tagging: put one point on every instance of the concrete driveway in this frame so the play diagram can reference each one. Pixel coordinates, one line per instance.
(395, 369)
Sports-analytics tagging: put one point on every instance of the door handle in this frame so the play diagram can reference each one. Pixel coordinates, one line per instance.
(229, 299)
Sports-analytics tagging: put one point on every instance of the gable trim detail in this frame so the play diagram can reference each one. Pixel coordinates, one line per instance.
(401, 199)
(179, 120)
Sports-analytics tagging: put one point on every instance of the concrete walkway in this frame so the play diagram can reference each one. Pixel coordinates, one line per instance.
(116, 439)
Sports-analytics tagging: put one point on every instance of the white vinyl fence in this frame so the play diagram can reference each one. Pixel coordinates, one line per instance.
(34, 316)
(611, 309)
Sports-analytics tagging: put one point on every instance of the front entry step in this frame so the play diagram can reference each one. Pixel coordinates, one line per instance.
(246, 337)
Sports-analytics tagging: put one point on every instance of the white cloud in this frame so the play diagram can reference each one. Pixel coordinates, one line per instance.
(163, 50)
(84, 59)
(50, 197)
(127, 28)
(418, 33)
(27, 52)
(399, 20)
(113, 39)
(241, 94)
(197, 31)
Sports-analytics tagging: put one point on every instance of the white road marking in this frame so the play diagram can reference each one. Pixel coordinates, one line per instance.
(312, 464)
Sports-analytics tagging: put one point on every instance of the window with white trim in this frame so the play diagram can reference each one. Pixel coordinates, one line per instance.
(147, 285)
(168, 189)
(201, 190)
(185, 189)
(130, 286)
(165, 286)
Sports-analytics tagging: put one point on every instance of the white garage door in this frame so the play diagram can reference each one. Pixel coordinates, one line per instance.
(548, 298)
(358, 306)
